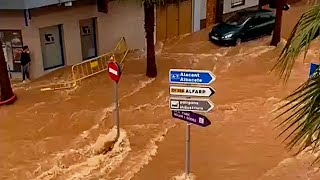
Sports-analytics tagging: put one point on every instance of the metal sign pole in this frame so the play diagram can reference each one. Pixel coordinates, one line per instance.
(116, 109)
(187, 150)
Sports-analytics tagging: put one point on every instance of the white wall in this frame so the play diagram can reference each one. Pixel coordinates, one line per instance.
(125, 18)
(196, 14)
(203, 9)
(199, 11)
(248, 3)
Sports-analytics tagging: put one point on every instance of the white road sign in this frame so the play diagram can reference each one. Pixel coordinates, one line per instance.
(191, 91)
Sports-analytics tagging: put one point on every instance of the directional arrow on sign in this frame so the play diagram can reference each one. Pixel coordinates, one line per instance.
(192, 117)
(187, 76)
(191, 91)
(195, 105)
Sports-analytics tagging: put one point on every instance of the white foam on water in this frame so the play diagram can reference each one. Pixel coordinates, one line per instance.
(160, 94)
(159, 48)
(183, 176)
(255, 51)
(142, 84)
(146, 155)
(292, 167)
(272, 100)
(146, 106)
(94, 165)
(35, 105)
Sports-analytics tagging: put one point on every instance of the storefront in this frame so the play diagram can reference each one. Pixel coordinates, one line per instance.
(12, 46)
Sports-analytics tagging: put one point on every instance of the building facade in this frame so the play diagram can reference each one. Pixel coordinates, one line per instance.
(230, 6)
(59, 35)
(64, 32)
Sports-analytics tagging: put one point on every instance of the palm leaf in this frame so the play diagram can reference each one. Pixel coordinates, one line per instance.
(306, 30)
(304, 118)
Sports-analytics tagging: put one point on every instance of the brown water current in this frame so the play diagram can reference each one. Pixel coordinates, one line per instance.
(52, 134)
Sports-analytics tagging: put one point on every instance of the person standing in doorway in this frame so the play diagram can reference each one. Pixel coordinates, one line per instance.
(25, 63)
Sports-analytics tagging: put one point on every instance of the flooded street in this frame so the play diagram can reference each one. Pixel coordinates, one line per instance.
(53, 134)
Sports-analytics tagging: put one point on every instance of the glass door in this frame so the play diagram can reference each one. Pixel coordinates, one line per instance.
(12, 46)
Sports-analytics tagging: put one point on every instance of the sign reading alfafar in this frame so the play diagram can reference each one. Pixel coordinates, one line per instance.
(191, 91)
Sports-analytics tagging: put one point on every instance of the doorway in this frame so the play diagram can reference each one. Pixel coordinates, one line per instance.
(51, 46)
(173, 20)
(88, 38)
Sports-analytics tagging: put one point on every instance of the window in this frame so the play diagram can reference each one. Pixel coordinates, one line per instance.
(12, 47)
(236, 19)
(253, 22)
(265, 18)
(236, 3)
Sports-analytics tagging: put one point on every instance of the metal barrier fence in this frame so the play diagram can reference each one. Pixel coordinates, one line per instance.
(121, 50)
(91, 67)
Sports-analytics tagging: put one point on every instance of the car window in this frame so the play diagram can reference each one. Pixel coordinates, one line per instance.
(265, 18)
(253, 22)
(236, 19)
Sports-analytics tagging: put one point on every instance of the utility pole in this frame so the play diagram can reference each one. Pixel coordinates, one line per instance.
(277, 28)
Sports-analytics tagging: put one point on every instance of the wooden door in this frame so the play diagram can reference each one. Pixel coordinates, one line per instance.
(161, 23)
(185, 17)
(172, 20)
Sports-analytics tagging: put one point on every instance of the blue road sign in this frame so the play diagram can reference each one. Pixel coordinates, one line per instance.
(186, 76)
(313, 68)
(191, 117)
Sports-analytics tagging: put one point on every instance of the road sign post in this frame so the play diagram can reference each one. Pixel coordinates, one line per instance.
(187, 163)
(185, 108)
(114, 71)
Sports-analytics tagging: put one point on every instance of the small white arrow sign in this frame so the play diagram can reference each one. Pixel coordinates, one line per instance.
(191, 91)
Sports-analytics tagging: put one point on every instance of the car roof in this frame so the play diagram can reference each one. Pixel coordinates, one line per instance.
(251, 13)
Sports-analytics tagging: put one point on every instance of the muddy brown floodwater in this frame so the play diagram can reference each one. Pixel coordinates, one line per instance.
(52, 134)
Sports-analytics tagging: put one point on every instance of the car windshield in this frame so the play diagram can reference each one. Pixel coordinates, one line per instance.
(236, 19)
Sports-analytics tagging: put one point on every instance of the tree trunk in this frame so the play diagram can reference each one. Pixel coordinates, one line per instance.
(149, 28)
(7, 96)
(277, 28)
(218, 10)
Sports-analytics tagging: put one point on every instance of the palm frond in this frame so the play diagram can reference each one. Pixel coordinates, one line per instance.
(306, 30)
(302, 113)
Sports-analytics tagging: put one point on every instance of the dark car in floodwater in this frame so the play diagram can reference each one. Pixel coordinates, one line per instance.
(243, 26)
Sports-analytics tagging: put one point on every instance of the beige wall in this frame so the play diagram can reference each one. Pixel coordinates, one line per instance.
(248, 3)
(124, 19)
